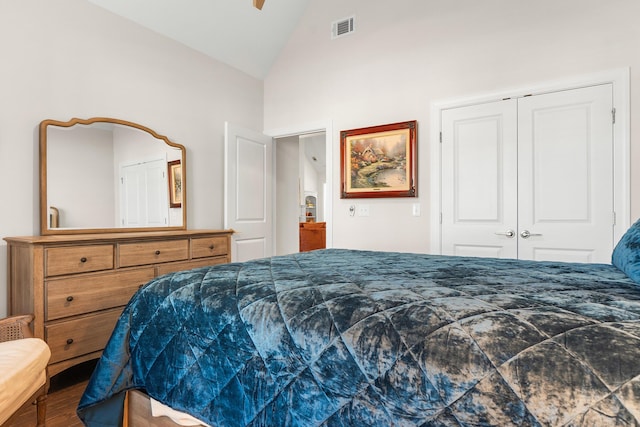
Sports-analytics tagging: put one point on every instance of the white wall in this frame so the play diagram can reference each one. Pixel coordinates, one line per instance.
(69, 58)
(288, 209)
(407, 54)
(309, 173)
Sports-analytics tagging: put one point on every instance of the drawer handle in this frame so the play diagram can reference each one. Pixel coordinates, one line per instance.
(70, 341)
(157, 252)
(83, 259)
(212, 247)
(70, 298)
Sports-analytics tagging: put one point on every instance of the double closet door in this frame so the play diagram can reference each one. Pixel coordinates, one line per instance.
(530, 178)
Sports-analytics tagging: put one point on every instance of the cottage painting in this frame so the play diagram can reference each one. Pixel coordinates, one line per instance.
(379, 163)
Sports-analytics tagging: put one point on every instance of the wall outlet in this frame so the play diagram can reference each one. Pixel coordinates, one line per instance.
(363, 210)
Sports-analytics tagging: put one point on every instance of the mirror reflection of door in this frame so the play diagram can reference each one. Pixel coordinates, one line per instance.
(144, 195)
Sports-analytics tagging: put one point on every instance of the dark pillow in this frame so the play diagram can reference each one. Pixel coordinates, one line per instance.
(626, 255)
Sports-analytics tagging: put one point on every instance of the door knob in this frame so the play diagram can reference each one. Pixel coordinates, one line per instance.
(526, 234)
(509, 233)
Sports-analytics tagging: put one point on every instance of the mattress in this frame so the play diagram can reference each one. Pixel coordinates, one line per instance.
(344, 338)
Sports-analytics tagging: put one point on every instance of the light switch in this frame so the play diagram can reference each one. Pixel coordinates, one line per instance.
(416, 209)
(363, 210)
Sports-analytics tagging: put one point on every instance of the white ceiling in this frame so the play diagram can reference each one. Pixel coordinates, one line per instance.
(231, 31)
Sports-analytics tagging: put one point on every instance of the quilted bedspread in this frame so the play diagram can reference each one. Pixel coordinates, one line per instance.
(356, 338)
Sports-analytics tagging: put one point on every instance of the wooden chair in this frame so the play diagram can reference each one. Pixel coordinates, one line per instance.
(29, 382)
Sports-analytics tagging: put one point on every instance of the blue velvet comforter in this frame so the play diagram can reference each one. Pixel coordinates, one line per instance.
(356, 338)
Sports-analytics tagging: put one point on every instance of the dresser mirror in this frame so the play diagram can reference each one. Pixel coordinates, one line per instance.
(104, 175)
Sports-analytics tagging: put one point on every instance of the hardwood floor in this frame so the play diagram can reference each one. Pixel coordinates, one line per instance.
(64, 394)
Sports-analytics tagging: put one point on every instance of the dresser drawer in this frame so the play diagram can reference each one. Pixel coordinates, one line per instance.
(131, 254)
(78, 259)
(202, 247)
(80, 336)
(78, 295)
(188, 265)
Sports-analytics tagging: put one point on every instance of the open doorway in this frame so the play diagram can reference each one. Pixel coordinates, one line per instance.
(301, 191)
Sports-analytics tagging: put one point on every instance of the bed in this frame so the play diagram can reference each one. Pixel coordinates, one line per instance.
(341, 337)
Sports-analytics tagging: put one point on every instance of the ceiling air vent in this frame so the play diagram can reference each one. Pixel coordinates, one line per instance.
(342, 27)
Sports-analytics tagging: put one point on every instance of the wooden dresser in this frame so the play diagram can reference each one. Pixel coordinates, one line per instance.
(77, 285)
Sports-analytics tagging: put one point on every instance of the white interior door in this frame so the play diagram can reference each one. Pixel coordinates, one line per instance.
(540, 167)
(479, 185)
(565, 165)
(248, 192)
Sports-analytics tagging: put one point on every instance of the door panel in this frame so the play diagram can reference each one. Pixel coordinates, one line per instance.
(133, 197)
(250, 178)
(565, 191)
(484, 251)
(248, 192)
(157, 195)
(565, 255)
(479, 192)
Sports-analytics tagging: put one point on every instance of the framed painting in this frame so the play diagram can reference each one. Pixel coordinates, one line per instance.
(175, 184)
(379, 161)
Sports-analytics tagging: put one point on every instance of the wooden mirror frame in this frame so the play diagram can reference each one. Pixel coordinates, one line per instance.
(44, 213)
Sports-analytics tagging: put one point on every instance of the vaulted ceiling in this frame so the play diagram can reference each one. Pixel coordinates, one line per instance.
(231, 31)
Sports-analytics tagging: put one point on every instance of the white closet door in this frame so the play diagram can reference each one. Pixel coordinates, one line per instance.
(157, 194)
(479, 185)
(144, 196)
(565, 190)
(133, 196)
(541, 166)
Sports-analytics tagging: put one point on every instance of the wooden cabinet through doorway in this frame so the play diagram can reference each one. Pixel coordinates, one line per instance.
(313, 236)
